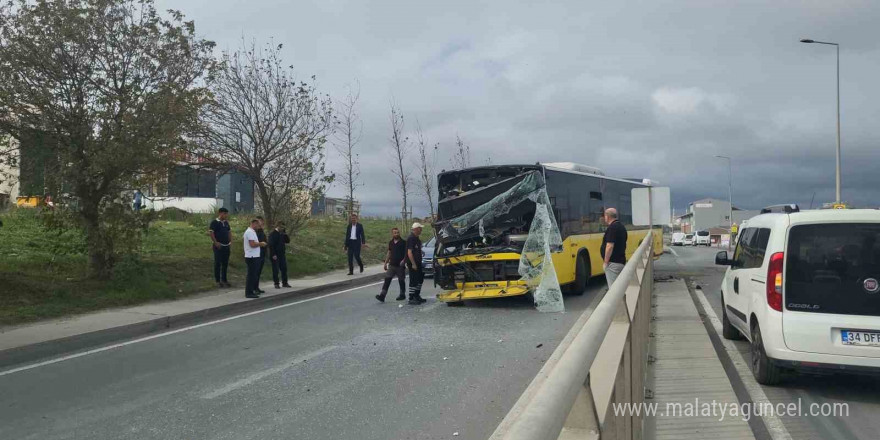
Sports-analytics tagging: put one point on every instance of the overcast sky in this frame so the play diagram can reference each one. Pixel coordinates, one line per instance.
(640, 89)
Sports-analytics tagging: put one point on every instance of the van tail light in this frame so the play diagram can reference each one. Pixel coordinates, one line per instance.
(774, 281)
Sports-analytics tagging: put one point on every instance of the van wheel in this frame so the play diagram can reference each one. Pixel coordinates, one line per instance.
(728, 330)
(581, 276)
(762, 367)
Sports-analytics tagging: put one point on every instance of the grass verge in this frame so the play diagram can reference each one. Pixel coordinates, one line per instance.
(43, 274)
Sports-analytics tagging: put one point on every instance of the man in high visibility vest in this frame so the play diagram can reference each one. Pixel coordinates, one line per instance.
(733, 230)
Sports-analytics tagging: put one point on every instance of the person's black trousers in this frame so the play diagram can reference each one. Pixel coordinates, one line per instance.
(221, 263)
(279, 265)
(416, 277)
(253, 275)
(394, 271)
(260, 271)
(354, 253)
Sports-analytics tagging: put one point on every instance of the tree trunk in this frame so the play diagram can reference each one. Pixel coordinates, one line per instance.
(266, 202)
(100, 265)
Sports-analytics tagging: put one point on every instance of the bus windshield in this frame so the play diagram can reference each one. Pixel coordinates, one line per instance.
(486, 209)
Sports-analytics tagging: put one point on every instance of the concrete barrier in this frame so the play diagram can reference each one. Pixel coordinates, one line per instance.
(601, 365)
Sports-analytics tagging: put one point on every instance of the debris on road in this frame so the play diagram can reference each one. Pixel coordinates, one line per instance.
(539, 345)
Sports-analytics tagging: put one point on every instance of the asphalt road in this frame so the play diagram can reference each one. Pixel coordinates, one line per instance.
(335, 367)
(862, 394)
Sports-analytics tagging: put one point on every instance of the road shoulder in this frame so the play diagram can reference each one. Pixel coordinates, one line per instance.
(42, 340)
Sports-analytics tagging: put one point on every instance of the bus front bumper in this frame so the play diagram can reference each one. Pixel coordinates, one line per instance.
(483, 292)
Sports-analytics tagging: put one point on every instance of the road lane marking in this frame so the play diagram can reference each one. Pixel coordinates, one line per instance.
(174, 332)
(672, 251)
(773, 423)
(290, 363)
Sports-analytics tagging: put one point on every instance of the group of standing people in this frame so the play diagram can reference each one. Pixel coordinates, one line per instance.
(257, 246)
(402, 255)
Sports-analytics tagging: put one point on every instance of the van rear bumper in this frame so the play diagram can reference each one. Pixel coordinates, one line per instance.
(803, 361)
(820, 368)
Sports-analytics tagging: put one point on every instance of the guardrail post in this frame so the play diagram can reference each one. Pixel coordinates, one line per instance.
(582, 422)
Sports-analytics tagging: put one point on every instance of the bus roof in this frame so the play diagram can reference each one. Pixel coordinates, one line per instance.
(564, 167)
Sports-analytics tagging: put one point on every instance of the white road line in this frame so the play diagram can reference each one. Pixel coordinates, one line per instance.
(672, 251)
(774, 424)
(174, 332)
(255, 377)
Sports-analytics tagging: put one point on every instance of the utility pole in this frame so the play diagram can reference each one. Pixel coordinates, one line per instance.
(837, 176)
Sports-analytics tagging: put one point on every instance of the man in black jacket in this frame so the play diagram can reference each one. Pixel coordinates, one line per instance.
(354, 239)
(414, 262)
(277, 239)
(220, 234)
(394, 260)
(261, 234)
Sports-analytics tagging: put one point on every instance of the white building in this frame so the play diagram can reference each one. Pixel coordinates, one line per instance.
(711, 213)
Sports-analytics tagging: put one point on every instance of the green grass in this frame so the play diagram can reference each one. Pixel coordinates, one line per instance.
(43, 274)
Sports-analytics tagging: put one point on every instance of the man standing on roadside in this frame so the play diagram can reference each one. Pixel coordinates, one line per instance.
(277, 239)
(613, 248)
(252, 247)
(354, 239)
(220, 234)
(261, 235)
(138, 196)
(394, 259)
(414, 262)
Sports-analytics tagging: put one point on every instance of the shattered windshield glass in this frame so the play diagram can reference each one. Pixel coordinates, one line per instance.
(497, 225)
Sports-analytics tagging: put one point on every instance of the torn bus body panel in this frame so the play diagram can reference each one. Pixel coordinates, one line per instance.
(518, 221)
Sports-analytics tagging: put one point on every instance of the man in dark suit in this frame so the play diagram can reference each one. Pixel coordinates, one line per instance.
(261, 234)
(354, 239)
(277, 239)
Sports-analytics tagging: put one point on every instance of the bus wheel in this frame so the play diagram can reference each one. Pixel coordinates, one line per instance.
(581, 276)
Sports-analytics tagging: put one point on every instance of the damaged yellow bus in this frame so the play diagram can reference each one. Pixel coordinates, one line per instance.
(485, 216)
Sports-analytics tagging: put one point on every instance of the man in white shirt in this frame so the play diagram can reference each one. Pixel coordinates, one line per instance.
(252, 245)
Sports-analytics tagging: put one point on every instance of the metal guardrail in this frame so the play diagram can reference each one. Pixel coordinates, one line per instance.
(604, 364)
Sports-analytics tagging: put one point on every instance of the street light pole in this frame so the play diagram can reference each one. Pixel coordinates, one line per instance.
(729, 200)
(837, 177)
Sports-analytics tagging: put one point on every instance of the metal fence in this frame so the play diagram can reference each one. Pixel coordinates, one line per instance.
(602, 364)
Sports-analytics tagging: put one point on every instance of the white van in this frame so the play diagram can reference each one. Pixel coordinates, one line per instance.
(702, 239)
(804, 289)
(688, 240)
(678, 238)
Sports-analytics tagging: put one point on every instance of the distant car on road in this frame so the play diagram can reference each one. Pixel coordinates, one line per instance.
(678, 238)
(428, 256)
(702, 239)
(688, 240)
(804, 289)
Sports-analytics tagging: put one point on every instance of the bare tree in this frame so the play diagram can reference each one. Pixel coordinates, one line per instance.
(461, 156)
(399, 151)
(427, 162)
(270, 127)
(106, 88)
(348, 135)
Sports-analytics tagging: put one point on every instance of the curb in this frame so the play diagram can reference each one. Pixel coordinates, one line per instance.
(71, 344)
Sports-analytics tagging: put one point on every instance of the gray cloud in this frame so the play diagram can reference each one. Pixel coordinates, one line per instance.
(648, 89)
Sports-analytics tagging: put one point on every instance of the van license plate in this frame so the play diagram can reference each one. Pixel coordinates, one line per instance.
(853, 337)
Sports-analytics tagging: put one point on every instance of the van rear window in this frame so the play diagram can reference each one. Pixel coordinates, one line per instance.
(834, 268)
(703, 233)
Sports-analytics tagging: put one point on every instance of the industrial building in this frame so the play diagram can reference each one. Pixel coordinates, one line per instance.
(711, 213)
